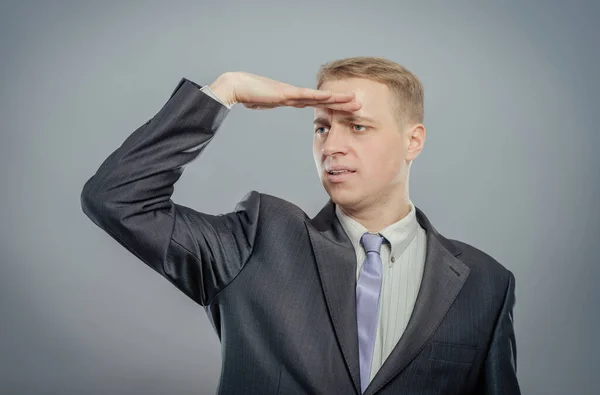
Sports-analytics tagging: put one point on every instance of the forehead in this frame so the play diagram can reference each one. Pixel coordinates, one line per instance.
(374, 97)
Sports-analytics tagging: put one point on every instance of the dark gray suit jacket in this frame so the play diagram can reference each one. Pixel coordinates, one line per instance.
(279, 287)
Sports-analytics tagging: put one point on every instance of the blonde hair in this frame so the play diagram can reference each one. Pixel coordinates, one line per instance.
(404, 85)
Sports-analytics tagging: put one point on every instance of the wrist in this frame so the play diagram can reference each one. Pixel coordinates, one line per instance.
(223, 88)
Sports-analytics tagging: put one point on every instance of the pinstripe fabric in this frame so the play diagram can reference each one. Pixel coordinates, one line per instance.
(279, 287)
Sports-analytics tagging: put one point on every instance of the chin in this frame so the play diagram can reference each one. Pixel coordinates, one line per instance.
(343, 197)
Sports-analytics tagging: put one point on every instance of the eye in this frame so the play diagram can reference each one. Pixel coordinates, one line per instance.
(360, 126)
(318, 130)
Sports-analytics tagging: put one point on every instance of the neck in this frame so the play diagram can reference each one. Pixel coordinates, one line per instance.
(376, 217)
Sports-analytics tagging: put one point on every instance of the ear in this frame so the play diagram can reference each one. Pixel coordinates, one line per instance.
(416, 135)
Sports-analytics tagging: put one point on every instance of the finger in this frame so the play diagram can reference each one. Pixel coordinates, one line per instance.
(295, 93)
(341, 97)
(333, 97)
(294, 103)
(262, 106)
(315, 94)
(332, 100)
(302, 104)
(350, 106)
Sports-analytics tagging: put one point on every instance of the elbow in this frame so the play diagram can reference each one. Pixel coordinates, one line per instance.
(91, 199)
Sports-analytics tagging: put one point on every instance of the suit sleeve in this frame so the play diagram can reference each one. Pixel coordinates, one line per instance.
(129, 197)
(499, 376)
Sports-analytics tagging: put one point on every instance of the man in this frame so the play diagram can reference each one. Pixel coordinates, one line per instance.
(367, 297)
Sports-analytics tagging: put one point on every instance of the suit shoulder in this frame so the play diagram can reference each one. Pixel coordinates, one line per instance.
(482, 263)
(269, 205)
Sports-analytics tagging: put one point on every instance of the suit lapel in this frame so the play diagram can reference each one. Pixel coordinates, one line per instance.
(336, 263)
(443, 278)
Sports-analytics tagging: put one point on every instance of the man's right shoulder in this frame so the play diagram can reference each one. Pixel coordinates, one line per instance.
(270, 206)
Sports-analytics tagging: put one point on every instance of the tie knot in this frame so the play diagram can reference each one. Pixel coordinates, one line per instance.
(371, 242)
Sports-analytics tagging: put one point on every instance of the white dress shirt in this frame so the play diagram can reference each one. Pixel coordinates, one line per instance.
(403, 258)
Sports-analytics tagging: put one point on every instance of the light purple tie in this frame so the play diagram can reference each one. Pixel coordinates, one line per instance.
(367, 304)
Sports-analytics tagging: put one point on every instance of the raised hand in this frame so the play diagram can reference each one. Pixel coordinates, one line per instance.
(256, 92)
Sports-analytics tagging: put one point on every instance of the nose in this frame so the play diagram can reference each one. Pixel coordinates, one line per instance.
(334, 142)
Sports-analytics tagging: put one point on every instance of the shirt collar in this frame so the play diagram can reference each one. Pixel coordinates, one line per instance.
(399, 234)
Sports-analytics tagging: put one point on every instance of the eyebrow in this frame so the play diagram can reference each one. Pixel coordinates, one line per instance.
(349, 118)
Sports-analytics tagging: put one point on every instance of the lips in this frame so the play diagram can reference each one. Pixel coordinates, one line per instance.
(342, 171)
(338, 174)
(338, 170)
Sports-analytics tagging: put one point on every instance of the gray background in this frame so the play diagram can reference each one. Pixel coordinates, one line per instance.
(510, 166)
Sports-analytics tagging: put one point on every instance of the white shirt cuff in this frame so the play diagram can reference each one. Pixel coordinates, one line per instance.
(206, 89)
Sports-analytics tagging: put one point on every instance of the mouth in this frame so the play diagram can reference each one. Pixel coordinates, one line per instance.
(337, 176)
(341, 171)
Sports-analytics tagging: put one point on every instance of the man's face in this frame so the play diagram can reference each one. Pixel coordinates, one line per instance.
(369, 144)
